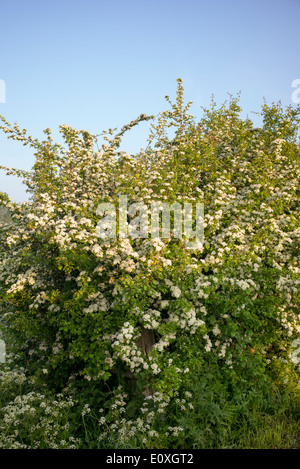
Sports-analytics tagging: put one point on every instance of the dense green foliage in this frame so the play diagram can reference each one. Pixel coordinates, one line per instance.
(178, 347)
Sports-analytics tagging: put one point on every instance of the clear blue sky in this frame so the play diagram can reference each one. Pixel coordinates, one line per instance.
(99, 64)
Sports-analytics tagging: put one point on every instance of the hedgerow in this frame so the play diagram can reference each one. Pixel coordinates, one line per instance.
(86, 314)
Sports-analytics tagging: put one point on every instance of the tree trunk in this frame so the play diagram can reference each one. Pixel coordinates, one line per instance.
(145, 343)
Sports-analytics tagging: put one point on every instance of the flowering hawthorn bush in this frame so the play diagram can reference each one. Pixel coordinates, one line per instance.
(150, 312)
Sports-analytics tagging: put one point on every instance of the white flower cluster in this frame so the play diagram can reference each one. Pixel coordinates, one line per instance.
(154, 407)
(176, 291)
(46, 426)
(22, 280)
(187, 320)
(100, 305)
(151, 319)
(125, 347)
